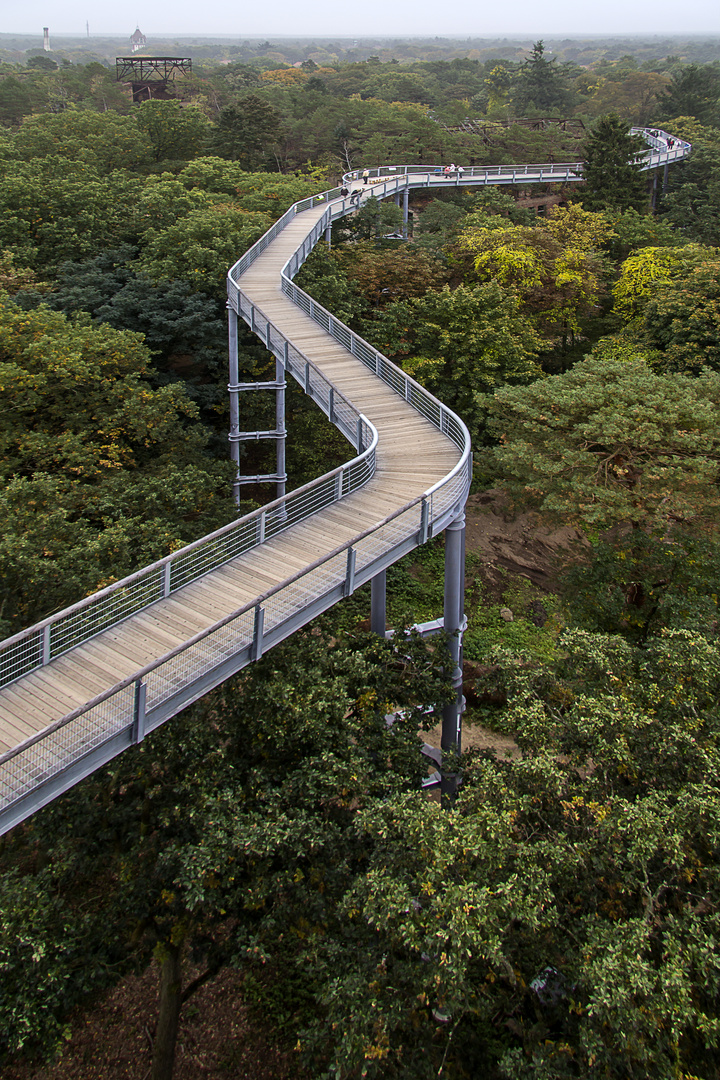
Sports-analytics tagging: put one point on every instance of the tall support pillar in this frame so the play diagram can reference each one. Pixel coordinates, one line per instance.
(280, 427)
(328, 236)
(451, 741)
(378, 598)
(406, 212)
(397, 198)
(233, 380)
(665, 177)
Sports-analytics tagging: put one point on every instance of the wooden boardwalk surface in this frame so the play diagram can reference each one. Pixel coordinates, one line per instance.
(412, 455)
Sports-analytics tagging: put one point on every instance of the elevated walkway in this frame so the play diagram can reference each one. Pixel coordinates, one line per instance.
(81, 686)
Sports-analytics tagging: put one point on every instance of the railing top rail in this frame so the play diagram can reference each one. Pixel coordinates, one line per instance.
(681, 148)
(202, 634)
(418, 387)
(224, 530)
(400, 174)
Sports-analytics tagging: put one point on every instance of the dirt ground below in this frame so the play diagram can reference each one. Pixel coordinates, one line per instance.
(516, 544)
(220, 1038)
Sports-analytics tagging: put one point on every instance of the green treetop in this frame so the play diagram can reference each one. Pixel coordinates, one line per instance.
(613, 180)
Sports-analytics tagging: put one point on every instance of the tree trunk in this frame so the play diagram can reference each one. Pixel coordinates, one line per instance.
(168, 1012)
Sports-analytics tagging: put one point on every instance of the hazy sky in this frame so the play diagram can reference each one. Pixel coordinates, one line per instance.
(404, 18)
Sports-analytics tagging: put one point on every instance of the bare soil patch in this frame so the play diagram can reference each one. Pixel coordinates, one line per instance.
(219, 1038)
(511, 543)
(477, 737)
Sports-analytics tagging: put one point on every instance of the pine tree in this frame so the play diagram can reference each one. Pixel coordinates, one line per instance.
(542, 84)
(613, 180)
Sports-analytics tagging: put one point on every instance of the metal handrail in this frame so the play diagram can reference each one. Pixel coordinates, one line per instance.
(473, 175)
(57, 634)
(121, 711)
(141, 673)
(37, 645)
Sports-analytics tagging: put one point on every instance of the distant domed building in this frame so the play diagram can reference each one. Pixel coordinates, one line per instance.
(138, 40)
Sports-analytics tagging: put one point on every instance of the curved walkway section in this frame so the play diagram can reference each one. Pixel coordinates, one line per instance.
(662, 150)
(85, 684)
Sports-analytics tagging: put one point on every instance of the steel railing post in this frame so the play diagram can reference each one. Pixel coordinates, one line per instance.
(424, 520)
(349, 587)
(138, 727)
(256, 648)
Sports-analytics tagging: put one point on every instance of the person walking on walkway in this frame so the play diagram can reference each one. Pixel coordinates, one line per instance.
(366, 175)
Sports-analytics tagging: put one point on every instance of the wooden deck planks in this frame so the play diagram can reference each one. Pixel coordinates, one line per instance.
(412, 456)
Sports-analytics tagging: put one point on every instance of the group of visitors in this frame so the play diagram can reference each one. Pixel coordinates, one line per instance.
(450, 171)
(354, 196)
(670, 142)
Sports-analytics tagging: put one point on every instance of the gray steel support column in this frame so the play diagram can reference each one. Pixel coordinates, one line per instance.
(665, 177)
(451, 741)
(328, 236)
(378, 596)
(280, 427)
(233, 379)
(397, 198)
(406, 212)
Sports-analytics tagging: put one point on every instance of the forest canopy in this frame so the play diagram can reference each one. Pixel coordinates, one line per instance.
(560, 918)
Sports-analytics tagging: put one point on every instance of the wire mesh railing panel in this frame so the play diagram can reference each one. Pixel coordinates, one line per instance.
(303, 301)
(342, 334)
(186, 667)
(20, 658)
(321, 317)
(387, 537)
(364, 352)
(345, 416)
(391, 375)
(45, 757)
(189, 566)
(446, 494)
(114, 607)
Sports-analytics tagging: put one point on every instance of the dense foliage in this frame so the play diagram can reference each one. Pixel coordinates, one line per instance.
(561, 918)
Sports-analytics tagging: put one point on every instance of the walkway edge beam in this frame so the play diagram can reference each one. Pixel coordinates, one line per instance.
(39, 768)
